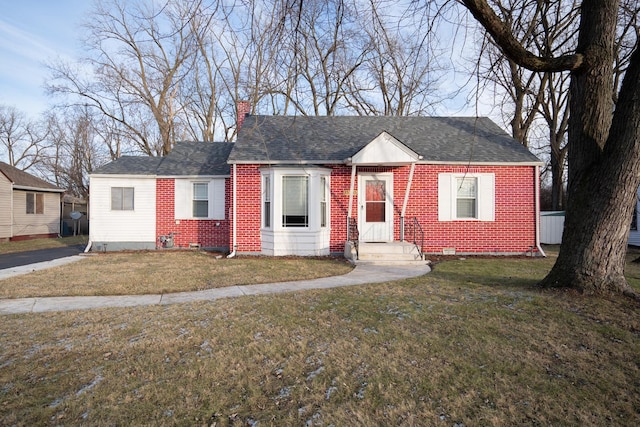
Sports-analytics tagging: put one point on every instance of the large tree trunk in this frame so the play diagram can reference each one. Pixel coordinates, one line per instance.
(604, 152)
(602, 181)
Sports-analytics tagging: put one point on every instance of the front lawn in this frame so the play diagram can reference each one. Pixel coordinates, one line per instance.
(472, 343)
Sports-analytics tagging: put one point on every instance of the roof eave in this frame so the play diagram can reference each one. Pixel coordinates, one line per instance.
(43, 190)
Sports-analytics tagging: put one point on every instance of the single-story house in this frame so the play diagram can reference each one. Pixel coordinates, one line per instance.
(327, 185)
(29, 206)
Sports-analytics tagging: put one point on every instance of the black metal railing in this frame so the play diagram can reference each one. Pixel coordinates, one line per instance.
(412, 232)
(353, 235)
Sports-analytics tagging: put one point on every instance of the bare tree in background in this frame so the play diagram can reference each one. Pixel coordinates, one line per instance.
(76, 150)
(399, 76)
(138, 54)
(22, 140)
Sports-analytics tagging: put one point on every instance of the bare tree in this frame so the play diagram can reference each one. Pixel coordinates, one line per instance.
(399, 76)
(139, 55)
(21, 138)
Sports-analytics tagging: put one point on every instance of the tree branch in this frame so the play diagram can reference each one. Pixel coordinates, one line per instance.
(511, 47)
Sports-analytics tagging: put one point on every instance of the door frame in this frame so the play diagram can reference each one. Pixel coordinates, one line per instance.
(388, 225)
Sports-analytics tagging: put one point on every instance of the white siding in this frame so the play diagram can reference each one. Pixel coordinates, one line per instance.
(33, 224)
(5, 207)
(551, 227)
(137, 225)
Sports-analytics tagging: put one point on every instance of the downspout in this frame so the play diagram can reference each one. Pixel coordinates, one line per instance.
(12, 215)
(406, 200)
(234, 216)
(537, 196)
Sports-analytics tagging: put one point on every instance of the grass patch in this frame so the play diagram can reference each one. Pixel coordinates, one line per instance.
(472, 343)
(35, 244)
(155, 272)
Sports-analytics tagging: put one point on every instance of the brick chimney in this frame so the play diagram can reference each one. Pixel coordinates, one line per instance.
(243, 108)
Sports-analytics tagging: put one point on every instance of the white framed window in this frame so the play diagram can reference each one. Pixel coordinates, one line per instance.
(295, 201)
(466, 197)
(35, 203)
(323, 201)
(200, 199)
(122, 198)
(266, 201)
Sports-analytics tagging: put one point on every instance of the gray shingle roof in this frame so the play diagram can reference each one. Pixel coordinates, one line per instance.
(130, 165)
(23, 179)
(333, 139)
(186, 158)
(196, 158)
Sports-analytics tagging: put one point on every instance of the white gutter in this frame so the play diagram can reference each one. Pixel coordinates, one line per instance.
(234, 216)
(12, 213)
(537, 196)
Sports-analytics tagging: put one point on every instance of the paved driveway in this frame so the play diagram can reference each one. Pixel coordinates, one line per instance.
(41, 255)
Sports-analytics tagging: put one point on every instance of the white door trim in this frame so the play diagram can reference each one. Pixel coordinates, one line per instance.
(378, 231)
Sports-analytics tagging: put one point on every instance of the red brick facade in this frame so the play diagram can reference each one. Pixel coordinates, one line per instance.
(207, 233)
(512, 231)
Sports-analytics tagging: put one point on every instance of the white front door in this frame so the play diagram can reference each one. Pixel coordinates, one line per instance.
(375, 200)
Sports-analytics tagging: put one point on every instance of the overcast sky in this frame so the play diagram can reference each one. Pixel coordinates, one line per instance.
(31, 33)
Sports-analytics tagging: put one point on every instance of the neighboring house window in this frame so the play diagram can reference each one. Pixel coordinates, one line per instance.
(295, 201)
(323, 201)
(121, 198)
(266, 208)
(35, 203)
(465, 197)
(200, 200)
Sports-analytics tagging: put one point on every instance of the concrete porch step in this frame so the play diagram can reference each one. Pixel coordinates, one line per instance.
(394, 253)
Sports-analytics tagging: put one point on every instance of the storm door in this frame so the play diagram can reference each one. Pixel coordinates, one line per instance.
(375, 197)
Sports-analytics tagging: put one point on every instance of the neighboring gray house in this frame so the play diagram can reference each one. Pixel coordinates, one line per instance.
(29, 206)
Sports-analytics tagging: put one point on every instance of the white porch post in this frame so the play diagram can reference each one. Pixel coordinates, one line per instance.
(406, 200)
(353, 179)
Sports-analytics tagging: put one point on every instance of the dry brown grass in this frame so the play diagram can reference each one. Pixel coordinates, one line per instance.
(472, 343)
(156, 272)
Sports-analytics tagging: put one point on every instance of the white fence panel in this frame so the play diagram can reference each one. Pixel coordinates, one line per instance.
(551, 226)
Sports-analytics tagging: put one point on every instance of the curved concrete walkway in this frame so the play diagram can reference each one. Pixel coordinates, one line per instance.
(361, 274)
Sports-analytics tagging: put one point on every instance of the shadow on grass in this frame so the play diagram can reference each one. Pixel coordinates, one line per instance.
(512, 274)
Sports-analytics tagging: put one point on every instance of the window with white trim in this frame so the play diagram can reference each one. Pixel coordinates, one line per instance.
(266, 201)
(466, 197)
(200, 199)
(323, 201)
(122, 198)
(295, 201)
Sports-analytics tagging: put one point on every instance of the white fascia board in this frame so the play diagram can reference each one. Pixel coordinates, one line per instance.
(193, 176)
(117, 175)
(481, 163)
